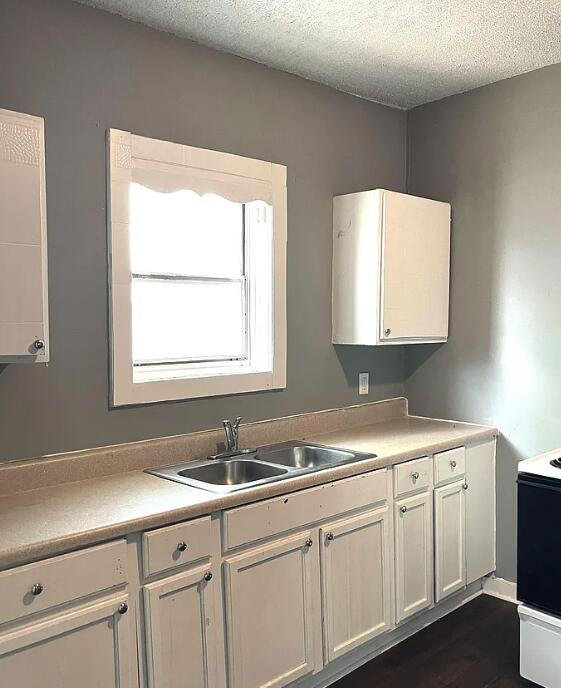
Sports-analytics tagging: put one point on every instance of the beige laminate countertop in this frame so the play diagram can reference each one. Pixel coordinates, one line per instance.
(51, 520)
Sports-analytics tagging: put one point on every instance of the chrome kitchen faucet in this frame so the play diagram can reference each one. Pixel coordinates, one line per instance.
(232, 433)
(231, 430)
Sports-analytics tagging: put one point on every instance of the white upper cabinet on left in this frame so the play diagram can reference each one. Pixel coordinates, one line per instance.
(24, 326)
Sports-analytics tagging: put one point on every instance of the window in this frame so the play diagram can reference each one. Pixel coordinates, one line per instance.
(197, 271)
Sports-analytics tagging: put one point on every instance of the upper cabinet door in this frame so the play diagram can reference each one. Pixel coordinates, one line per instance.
(355, 565)
(23, 240)
(415, 268)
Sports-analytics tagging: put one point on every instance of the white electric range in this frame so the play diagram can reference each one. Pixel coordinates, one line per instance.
(539, 568)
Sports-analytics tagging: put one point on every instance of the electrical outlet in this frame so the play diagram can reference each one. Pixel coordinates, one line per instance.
(363, 383)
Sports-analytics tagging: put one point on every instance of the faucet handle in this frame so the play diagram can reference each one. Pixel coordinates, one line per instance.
(237, 422)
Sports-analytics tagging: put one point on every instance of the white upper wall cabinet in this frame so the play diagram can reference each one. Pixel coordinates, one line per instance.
(391, 268)
(24, 329)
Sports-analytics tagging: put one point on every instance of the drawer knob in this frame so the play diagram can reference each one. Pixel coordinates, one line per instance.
(415, 475)
(330, 536)
(309, 542)
(36, 589)
(208, 575)
(38, 345)
(453, 464)
(182, 546)
(465, 486)
(403, 509)
(123, 608)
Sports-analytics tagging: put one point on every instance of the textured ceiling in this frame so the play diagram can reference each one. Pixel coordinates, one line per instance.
(399, 52)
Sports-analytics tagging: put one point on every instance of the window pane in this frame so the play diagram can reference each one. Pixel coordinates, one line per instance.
(184, 320)
(184, 233)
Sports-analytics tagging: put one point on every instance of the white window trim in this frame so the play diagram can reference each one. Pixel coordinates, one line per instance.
(127, 152)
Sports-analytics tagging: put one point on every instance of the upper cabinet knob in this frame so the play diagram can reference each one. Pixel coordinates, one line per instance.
(403, 509)
(123, 608)
(330, 536)
(36, 589)
(309, 542)
(465, 486)
(387, 331)
(182, 546)
(208, 576)
(38, 345)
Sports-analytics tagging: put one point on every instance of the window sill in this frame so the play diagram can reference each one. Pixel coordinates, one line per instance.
(127, 392)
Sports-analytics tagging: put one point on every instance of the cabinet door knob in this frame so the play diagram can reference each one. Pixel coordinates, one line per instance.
(208, 576)
(123, 608)
(403, 509)
(330, 536)
(38, 344)
(453, 464)
(465, 486)
(387, 331)
(415, 475)
(182, 546)
(309, 542)
(36, 589)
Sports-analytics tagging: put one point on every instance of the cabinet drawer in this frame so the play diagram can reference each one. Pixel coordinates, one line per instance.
(253, 522)
(412, 476)
(61, 579)
(176, 545)
(449, 465)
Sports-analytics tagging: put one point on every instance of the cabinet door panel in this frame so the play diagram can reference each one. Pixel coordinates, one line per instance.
(413, 555)
(89, 647)
(449, 515)
(355, 558)
(415, 267)
(180, 631)
(480, 510)
(23, 239)
(269, 613)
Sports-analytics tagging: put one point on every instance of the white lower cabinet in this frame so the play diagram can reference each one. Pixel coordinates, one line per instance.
(449, 542)
(89, 647)
(480, 510)
(414, 569)
(181, 627)
(270, 624)
(356, 590)
(306, 578)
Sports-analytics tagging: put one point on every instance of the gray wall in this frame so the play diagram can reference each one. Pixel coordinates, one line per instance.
(85, 71)
(495, 154)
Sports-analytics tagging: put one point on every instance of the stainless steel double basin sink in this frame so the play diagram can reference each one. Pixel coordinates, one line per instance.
(265, 465)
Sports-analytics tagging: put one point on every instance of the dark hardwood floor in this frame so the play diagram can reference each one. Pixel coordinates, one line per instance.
(474, 647)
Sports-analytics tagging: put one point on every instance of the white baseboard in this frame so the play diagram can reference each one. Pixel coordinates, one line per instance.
(501, 588)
